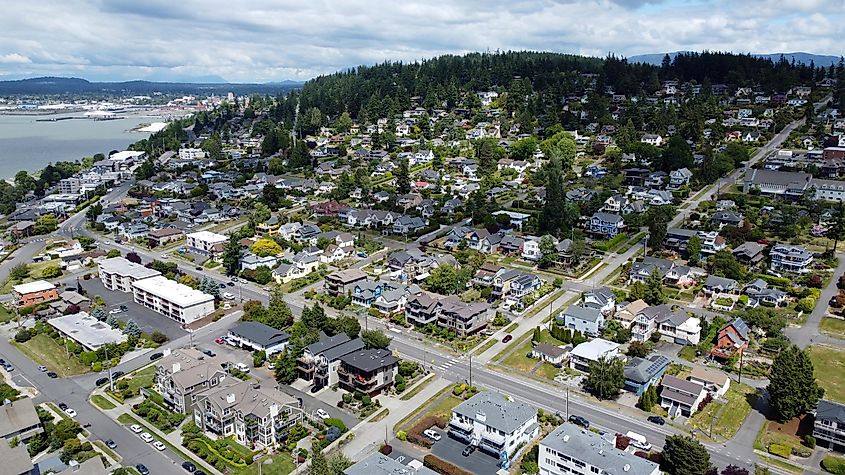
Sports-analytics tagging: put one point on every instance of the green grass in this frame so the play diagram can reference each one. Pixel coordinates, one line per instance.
(126, 419)
(140, 379)
(486, 346)
(416, 389)
(380, 415)
(418, 412)
(511, 327)
(834, 464)
(58, 411)
(102, 446)
(5, 315)
(547, 371)
(687, 353)
(101, 402)
(35, 270)
(726, 418)
(831, 362)
(833, 327)
(45, 351)
(518, 359)
(701, 420)
(281, 464)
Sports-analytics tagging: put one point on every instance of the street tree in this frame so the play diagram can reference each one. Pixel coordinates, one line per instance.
(683, 455)
(232, 254)
(606, 378)
(375, 339)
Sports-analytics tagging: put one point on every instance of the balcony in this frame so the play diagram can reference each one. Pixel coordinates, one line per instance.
(461, 425)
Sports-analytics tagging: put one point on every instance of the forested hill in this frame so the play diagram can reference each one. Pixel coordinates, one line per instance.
(543, 79)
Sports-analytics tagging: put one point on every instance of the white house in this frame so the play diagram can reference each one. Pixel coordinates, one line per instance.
(570, 449)
(588, 321)
(582, 355)
(258, 337)
(494, 423)
(206, 243)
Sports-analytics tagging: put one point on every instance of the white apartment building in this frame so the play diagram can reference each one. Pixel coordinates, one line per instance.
(191, 154)
(172, 299)
(206, 242)
(118, 273)
(494, 423)
(569, 449)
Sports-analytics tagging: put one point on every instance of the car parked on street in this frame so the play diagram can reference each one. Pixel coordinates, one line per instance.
(322, 414)
(62, 406)
(189, 467)
(110, 444)
(43, 369)
(136, 428)
(657, 420)
(220, 341)
(159, 446)
(579, 421)
(507, 338)
(52, 375)
(156, 355)
(468, 450)
(70, 412)
(146, 437)
(142, 469)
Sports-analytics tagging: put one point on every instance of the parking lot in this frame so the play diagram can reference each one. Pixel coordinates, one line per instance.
(450, 449)
(147, 320)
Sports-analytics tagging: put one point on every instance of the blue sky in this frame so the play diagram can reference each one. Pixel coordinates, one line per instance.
(244, 41)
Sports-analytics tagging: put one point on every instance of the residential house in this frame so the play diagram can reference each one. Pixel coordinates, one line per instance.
(33, 293)
(257, 336)
(627, 313)
(829, 425)
(759, 293)
(602, 299)
(715, 382)
(447, 312)
(550, 353)
(749, 253)
(727, 218)
(301, 265)
(652, 139)
(206, 243)
(16, 460)
(19, 420)
(715, 285)
(606, 225)
(320, 361)
(250, 261)
(679, 178)
(512, 285)
(641, 373)
(732, 338)
(183, 373)
(495, 423)
(379, 464)
(681, 397)
(785, 257)
(591, 351)
(367, 371)
(160, 237)
(340, 282)
(588, 321)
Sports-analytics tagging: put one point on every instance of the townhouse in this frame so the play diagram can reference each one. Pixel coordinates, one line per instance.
(447, 312)
(341, 282)
(320, 361)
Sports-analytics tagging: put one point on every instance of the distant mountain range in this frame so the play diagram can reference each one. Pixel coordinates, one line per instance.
(818, 59)
(65, 85)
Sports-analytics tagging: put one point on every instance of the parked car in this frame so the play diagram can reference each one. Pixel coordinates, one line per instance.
(209, 352)
(230, 283)
(142, 469)
(507, 338)
(52, 375)
(158, 445)
(362, 254)
(189, 467)
(431, 434)
(638, 441)
(220, 341)
(116, 311)
(579, 421)
(222, 285)
(136, 428)
(243, 367)
(199, 472)
(101, 381)
(110, 444)
(322, 414)
(70, 412)
(156, 355)
(228, 296)
(146, 437)
(198, 268)
(468, 450)
(62, 406)
(117, 374)
(657, 420)
(8, 367)
(43, 369)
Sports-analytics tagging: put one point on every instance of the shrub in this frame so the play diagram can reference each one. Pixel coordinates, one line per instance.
(441, 466)
(834, 465)
(780, 450)
(158, 337)
(801, 451)
(23, 336)
(335, 422)
(402, 435)
(810, 441)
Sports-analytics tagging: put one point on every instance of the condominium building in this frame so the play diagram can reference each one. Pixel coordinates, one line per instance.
(255, 416)
(494, 423)
(447, 312)
(829, 425)
(33, 293)
(118, 273)
(320, 361)
(184, 373)
(570, 449)
(367, 371)
(172, 299)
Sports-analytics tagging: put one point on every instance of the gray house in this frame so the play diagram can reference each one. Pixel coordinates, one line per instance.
(586, 320)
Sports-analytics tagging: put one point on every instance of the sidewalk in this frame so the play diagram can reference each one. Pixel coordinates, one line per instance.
(370, 435)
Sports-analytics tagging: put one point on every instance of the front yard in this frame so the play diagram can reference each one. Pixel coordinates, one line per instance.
(726, 418)
(832, 362)
(45, 351)
(834, 327)
(130, 387)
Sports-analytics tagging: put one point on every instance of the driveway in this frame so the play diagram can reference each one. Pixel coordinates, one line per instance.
(450, 449)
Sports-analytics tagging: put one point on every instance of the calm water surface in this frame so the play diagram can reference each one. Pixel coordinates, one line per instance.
(26, 144)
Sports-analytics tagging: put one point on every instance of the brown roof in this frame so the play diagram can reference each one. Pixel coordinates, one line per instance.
(550, 350)
(164, 232)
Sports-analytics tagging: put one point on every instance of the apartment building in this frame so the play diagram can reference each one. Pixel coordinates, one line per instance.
(33, 293)
(182, 374)
(447, 312)
(340, 282)
(172, 299)
(320, 361)
(252, 415)
(570, 449)
(829, 425)
(206, 243)
(118, 273)
(367, 371)
(494, 423)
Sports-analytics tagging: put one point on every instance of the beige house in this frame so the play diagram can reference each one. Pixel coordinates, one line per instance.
(184, 373)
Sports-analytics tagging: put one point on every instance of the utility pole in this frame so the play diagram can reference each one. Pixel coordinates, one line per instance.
(740, 365)
(567, 401)
(470, 370)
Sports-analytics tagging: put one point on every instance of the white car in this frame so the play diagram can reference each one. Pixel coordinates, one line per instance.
(431, 434)
(43, 369)
(165, 256)
(115, 311)
(146, 437)
(243, 367)
(136, 428)
(70, 412)
(271, 366)
(322, 414)
(228, 296)
(158, 445)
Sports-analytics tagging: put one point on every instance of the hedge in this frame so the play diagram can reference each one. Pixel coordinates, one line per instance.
(780, 450)
(834, 465)
(415, 434)
(441, 466)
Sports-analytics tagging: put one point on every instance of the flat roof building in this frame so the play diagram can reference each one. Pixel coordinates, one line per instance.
(172, 299)
(571, 449)
(118, 273)
(87, 330)
(33, 293)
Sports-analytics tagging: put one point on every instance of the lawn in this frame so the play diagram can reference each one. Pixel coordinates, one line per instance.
(728, 417)
(140, 379)
(547, 371)
(275, 464)
(829, 326)
(687, 353)
(5, 315)
(102, 446)
(486, 346)
(101, 402)
(518, 359)
(833, 464)
(444, 407)
(45, 351)
(833, 362)
(35, 270)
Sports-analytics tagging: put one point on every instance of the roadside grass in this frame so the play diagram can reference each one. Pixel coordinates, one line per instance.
(380, 415)
(35, 270)
(726, 418)
(486, 346)
(5, 315)
(101, 402)
(547, 371)
(833, 464)
(518, 359)
(418, 412)
(45, 351)
(102, 446)
(416, 389)
(830, 326)
(511, 327)
(275, 464)
(833, 362)
(140, 379)
(58, 411)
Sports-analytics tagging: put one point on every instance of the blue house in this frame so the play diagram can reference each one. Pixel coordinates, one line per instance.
(640, 373)
(607, 225)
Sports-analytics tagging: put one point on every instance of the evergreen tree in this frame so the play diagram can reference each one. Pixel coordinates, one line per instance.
(210, 287)
(683, 455)
(278, 313)
(654, 294)
(319, 464)
(112, 321)
(132, 329)
(375, 339)
(232, 254)
(648, 398)
(694, 249)
(793, 389)
(536, 336)
(606, 378)
(403, 178)
(637, 291)
(286, 364)
(100, 314)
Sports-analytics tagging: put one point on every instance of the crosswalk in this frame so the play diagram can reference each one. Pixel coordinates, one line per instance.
(444, 366)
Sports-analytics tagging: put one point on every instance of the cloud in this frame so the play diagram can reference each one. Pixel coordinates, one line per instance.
(270, 40)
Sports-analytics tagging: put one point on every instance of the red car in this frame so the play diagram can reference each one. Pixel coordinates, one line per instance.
(220, 341)
(507, 338)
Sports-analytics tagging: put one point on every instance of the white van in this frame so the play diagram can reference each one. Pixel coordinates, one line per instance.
(638, 441)
(243, 367)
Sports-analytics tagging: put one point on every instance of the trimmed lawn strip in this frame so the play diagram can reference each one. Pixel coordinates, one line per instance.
(282, 464)
(101, 402)
(416, 389)
(518, 359)
(45, 351)
(5, 315)
(139, 379)
(486, 346)
(830, 326)
(833, 362)
(102, 446)
(416, 412)
(126, 420)
(58, 411)
(380, 415)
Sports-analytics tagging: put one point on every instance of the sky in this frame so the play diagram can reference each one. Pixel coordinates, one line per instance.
(275, 40)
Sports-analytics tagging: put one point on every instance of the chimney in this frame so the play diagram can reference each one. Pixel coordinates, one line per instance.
(480, 416)
(230, 398)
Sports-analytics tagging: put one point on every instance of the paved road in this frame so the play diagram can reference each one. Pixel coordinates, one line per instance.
(809, 331)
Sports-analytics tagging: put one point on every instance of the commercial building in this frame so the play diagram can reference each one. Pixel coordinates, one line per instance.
(118, 273)
(206, 243)
(172, 299)
(86, 330)
(367, 371)
(494, 423)
(257, 336)
(569, 449)
(18, 419)
(34, 293)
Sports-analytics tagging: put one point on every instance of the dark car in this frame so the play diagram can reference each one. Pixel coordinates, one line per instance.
(198, 268)
(222, 286)
(507, 338)
(52, 375)
(209, 352)
(2, 362)
(469, 449)
(314, 389)
(71, 289)
(230, 284)
(110, 444)
(156, 355)
(142, 469)
(62, 406)
(101, 381)
(191, 468)
(124, 308)
(199, 472)
(579, 421)
(117, 374)
(657, 420)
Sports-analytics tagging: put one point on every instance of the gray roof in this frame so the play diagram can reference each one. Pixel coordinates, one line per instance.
(830, 411)
(260, 333)
(641, 370)
(343, 349)
(501, 413)
(714, 281)
(17, 415)
(378, 464)
(369, 360)
(327, 342)
(583, 313)
(590, 448)
(15, 460)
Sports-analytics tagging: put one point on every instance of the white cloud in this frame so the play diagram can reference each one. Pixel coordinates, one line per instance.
(243, 40)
